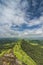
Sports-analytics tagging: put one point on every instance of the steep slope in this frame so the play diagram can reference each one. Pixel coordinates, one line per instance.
(28, 52)
(10, 59)
(34, 49)
(21, 55)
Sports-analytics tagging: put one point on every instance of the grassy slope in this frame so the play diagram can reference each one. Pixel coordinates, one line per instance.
(34, 50)
(5, 48)
(21, 55)
(5, 52)
(28, 52)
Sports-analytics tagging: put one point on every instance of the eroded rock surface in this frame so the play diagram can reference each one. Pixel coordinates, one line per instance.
(10, 59)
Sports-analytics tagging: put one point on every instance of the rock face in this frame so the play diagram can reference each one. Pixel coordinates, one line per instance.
(10, 59)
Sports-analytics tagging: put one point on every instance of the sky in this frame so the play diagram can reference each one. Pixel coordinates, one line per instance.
(21, 18)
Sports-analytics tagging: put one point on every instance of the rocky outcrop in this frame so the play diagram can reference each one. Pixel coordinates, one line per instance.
(10, 59)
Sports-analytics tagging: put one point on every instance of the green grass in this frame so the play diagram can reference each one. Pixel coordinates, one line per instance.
(2, 53)
(41, 46)
(34, 44)
(29, 52)
(34, 51)
(21, 55)
(5, 52)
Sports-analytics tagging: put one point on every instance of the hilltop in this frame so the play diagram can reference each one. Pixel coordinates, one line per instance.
(28, 52)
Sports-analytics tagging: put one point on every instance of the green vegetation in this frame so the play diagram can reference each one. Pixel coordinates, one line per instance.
(28, 51)
(34, 49)
(20, 54)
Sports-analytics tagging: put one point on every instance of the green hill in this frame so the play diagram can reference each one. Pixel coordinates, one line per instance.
(29, 52)
(34, 49)
(21, 55)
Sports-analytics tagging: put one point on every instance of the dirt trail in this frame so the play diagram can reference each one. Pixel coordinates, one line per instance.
(10, 59)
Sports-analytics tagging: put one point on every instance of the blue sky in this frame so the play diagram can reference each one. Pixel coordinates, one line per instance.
(21, 18)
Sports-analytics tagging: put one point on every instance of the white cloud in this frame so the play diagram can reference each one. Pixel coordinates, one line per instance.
(32, 33)
(11, 13)
(5, 31)
(38, 21)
